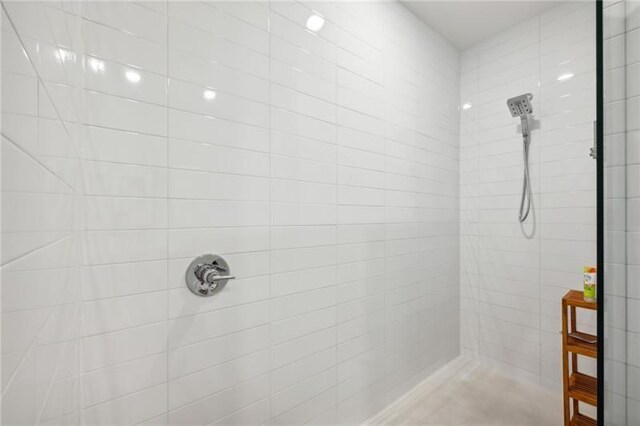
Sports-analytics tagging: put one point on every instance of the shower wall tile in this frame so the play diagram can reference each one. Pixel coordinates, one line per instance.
(303, 188)
(618, 402)
(219, 166)
(622, 389)
(513, 276)
(40, 215)
(323, 165)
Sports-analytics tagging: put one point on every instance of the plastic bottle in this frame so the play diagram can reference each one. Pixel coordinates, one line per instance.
(590, 293)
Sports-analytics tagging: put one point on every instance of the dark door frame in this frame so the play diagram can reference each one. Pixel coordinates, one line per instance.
(600, 201)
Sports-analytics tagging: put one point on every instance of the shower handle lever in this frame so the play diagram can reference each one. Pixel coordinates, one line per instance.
(210, 274)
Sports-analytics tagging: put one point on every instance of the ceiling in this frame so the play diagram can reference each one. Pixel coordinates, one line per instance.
(467, 22)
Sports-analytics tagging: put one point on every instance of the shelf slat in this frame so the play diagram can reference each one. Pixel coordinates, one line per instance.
(583, 388)
(581, 347)
(576, 298)
(582, 420)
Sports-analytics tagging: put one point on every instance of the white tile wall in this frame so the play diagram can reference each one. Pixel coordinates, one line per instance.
(324, 166)
(513, 276)
(632, 31)
(622, 381)
(41, 217)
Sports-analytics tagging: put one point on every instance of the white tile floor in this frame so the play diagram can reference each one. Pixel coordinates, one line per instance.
(466, 393)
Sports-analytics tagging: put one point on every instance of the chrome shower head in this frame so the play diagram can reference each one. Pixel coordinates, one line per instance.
(520, 106)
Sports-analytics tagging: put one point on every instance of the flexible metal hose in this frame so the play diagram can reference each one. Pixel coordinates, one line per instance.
(526, 184)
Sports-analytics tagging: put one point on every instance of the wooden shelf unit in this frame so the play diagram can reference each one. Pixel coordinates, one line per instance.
(577, 386)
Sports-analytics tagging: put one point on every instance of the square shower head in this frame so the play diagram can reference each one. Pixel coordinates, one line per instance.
(520, 106)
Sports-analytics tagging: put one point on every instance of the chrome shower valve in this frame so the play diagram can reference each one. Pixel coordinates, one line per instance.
(208, 274)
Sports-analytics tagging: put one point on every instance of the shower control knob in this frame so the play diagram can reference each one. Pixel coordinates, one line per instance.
(208, 274)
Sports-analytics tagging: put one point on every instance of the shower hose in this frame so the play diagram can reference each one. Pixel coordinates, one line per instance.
(526, 184)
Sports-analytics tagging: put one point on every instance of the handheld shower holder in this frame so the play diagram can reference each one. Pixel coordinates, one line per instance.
(524, 123)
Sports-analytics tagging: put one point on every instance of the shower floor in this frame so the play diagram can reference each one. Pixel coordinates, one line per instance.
(467, 393)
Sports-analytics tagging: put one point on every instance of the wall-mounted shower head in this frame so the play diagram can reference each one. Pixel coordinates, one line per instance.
(520, 106)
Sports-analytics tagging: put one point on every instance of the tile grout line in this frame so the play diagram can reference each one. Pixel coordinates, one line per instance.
(167, 18)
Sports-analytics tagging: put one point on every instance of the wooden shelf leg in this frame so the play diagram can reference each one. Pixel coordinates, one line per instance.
(574, 356)
(565, 366)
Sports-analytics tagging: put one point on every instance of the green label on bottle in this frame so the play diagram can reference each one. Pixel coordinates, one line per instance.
(590, 286)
